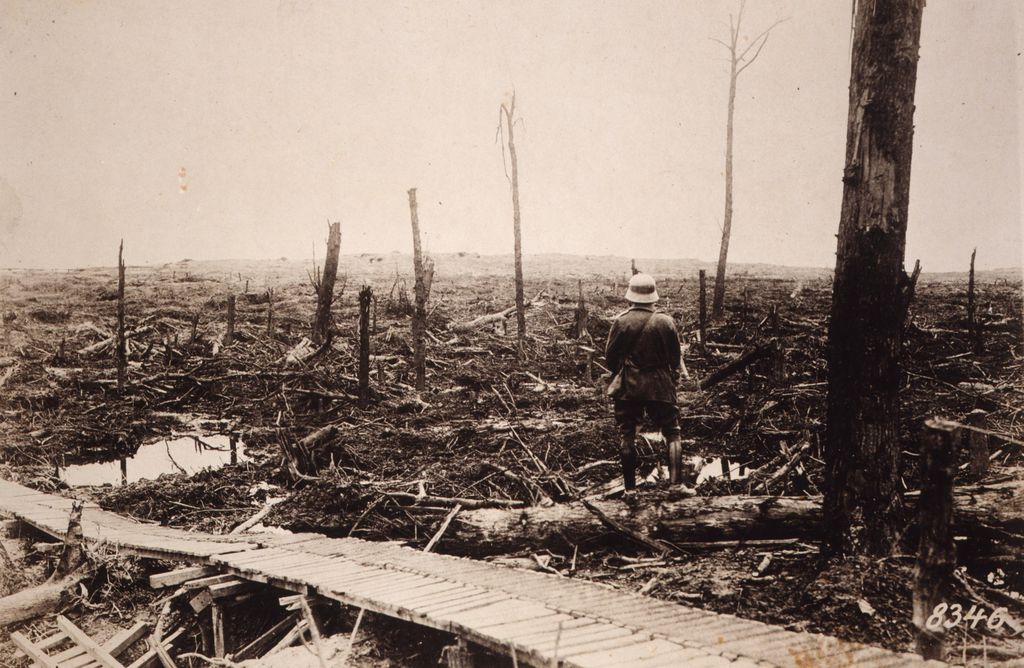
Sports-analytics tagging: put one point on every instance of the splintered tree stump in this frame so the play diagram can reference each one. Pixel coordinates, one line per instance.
(936, 557)
(120, 352)
(229, 333)
(325, 287)
(419, 316)
(365, 296)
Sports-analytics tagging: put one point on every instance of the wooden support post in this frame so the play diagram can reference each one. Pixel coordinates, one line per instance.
(121, 357)
(936, 556)
(325, 289)
(458, 655)
(365, 296)
(229, 335)
(419, 316)
(977, 443)
(703, 308)
(217, 622)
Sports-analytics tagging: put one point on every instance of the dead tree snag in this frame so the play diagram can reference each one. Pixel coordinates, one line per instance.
(325, 286)
(419, 316)
(121, 357)
(508, 113)
(870, 294)
(365, 296)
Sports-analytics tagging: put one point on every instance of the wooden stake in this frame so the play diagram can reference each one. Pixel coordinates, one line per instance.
(419, 317)
(122, 361)
(936, 557)
(365, 296)
(325, 288)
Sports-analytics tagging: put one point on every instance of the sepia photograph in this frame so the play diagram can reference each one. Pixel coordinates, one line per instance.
(473, 333)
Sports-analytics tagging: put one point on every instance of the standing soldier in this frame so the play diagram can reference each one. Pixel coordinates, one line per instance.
(643, 354)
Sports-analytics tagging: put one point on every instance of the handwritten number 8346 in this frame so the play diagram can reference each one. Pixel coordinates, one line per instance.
(938, 619)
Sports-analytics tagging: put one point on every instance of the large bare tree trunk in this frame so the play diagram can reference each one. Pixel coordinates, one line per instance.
(325, 290)
(871, 292)
(520, 301)
(419, 315)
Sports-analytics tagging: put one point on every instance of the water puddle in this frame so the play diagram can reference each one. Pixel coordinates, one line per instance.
(188, 454)
(721, 467)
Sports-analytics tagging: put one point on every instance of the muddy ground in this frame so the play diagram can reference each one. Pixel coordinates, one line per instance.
(543, 419)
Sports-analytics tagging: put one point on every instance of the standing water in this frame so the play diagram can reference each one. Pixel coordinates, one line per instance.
(185, 454)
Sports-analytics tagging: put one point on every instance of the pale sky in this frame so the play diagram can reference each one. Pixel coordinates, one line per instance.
(236, 129)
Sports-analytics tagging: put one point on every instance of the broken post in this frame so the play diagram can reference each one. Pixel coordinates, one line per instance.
(122, 361)
(703, 308)
(419, 316)
(325, 288)
(936, 556)
(229, 335)
(977, 442)
(632, 267)
(365, 296)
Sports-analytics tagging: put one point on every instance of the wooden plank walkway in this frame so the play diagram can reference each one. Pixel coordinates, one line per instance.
(545, 619)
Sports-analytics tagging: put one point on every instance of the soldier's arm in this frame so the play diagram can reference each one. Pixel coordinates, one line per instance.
(613, 349)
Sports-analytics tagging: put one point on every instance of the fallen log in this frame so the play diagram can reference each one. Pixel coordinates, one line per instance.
(995, 509)
(46, 597)
(478, 322)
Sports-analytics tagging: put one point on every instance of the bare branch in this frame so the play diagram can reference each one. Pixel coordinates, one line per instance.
(764, 34)
(753, 58)
(715, 39)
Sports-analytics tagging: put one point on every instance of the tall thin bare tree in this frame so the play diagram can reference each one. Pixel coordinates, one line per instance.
(871, 292)
(506, 120)
(740, 58)
(120, 350)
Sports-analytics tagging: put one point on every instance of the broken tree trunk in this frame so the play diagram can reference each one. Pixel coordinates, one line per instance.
(702, 277)
(973, 326)
(994, 510)
(325, 289)
(871, 291)
(740, 363)
(579, 321)
(936, 555)
(46, 597)
(120, 356)
(365, 296)
(419, 316)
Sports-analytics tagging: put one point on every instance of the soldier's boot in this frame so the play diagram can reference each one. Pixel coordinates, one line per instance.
(675, 460)
(627, 456)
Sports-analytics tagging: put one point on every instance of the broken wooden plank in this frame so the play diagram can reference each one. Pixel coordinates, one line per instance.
(266, 640)
(39, 656)
(180, 576)
(79, 636)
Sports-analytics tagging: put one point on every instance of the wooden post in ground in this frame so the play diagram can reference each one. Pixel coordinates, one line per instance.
(936, 556)
(121, 357)
(977, 443)
(325, 289)
(229, 335)
(365, 296)
(703, 308)
(419, 316)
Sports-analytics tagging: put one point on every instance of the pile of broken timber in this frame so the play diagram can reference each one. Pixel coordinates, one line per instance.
(212, 595)
(70, 647)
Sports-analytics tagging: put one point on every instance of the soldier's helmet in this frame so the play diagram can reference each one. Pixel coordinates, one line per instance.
(642, 289)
